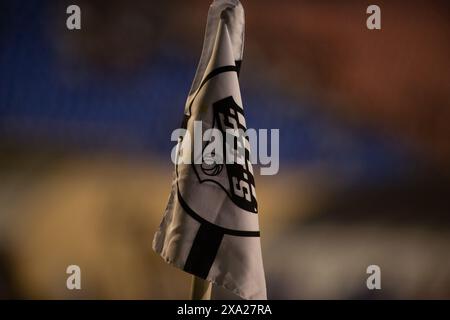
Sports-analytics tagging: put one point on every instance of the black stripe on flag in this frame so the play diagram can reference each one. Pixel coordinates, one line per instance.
(238, 66)
(193, 214)
(211, 75)
(204, 250)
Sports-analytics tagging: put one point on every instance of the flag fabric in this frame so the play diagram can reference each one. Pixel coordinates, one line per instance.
(210, 228)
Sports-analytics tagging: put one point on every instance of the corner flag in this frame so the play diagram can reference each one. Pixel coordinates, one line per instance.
(210, 228)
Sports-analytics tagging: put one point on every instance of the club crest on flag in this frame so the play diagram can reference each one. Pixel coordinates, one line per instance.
(228, 117)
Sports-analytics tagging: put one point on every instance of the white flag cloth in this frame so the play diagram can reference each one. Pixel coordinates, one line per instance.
(210, 228)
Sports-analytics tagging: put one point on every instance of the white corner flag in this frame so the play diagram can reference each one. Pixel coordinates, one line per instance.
(210, 228)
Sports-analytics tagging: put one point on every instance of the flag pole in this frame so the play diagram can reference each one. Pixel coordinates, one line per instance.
(200, 289)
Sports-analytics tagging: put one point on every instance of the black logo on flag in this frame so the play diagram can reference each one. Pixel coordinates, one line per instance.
(229, 116)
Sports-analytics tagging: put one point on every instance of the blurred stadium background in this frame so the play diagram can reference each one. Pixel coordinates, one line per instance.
(85, 123)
